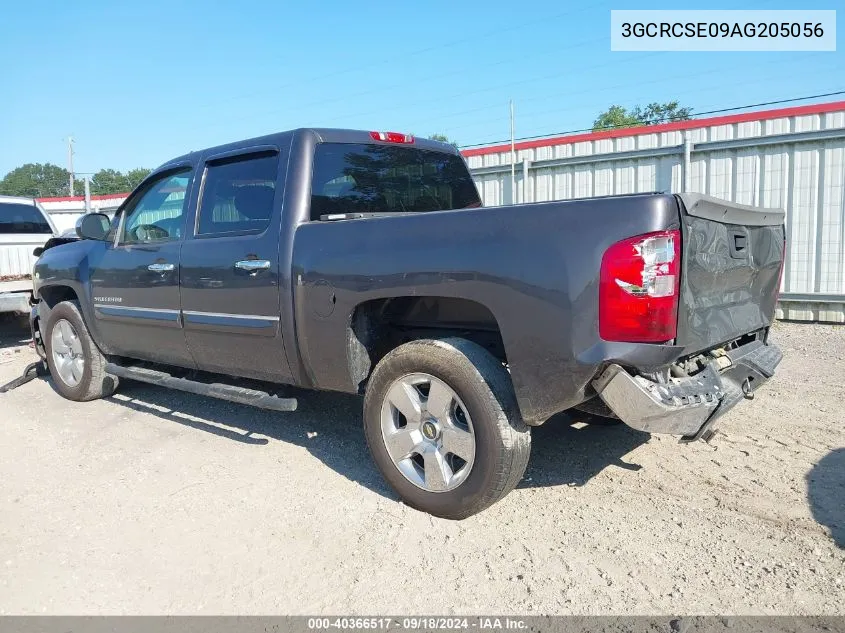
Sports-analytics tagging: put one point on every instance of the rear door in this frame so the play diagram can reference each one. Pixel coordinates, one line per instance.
(230, 266)
(732, 261)
(135, 277)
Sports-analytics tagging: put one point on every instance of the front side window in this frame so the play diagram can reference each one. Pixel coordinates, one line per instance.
(16, 217)
(369, 178)
(157, 215)
(238, 194)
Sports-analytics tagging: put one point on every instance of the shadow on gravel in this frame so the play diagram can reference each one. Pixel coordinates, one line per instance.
(326, 424)
(14, 331)
(826, 493)
(572, 449)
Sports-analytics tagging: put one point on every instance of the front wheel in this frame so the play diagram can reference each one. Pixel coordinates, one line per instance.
(76, 363)
(443, 426)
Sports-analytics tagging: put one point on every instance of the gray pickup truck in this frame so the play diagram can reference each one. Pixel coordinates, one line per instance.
(363, 262)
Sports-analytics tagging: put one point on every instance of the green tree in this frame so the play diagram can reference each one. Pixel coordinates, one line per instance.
(617, 116)
(443, 139)
(36, 180)
(108, 181)
(655, 113)
(135, 176)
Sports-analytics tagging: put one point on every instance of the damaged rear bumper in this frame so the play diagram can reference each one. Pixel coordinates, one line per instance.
(688, 406)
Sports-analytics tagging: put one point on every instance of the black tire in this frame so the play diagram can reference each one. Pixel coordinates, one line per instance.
(502, 439)
(95, 382)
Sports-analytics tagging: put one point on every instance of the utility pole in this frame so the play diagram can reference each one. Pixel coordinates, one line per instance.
(687, 163)
(87, 194)
(513, 161)
(70, 162)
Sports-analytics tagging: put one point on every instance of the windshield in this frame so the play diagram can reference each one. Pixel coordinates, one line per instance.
(17, 217)
(369, 178)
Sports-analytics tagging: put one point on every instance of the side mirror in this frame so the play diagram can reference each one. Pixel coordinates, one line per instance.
(38, 251)
(93, 226)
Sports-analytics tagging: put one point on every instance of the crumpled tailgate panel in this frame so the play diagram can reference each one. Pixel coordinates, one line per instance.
(732, 256)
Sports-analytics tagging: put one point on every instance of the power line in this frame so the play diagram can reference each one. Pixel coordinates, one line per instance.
(568, 94)
(653, 121)
(436, 98)
(511, 84)
(414, 53)
(580, 107)
(478, 36)
(393, 87)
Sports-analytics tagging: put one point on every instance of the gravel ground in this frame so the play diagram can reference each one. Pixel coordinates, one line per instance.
(154, 502)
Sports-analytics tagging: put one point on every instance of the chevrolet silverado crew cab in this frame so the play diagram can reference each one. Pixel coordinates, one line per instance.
(24, 226)
(363, 262)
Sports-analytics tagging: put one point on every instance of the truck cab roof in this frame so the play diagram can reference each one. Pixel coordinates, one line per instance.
(322, 135)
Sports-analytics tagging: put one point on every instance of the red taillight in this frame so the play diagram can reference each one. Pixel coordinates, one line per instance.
(392, 137)
(639, 287)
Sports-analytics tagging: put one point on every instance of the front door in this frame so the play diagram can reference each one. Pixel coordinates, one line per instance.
(230, 268)
(135, 278)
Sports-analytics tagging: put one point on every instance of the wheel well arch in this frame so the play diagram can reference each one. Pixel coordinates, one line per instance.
(379, 325)
(53, 295)
(50, 297)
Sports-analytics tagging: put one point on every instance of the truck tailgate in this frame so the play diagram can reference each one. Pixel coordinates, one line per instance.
(731, 265)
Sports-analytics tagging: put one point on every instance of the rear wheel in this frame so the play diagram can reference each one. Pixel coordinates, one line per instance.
(76, 364)
(442, 423)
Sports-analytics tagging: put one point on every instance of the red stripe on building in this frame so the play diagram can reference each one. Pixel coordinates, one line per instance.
(760, 115)
(105, 196)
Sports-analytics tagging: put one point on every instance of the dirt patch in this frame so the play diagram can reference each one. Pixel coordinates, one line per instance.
(155, 501)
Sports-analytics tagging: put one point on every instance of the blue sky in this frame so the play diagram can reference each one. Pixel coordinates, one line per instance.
(138, 83)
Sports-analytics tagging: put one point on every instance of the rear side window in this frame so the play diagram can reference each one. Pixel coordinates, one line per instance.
(369, 178)
(22, 218)
(238, 194)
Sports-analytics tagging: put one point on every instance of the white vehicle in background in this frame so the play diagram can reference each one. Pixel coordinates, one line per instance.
(24, 226)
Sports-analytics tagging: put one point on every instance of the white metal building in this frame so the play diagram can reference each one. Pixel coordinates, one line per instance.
(65, 211)
(790, 158)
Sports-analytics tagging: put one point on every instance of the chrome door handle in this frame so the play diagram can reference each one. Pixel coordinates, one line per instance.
(253, 265)
(161, 268)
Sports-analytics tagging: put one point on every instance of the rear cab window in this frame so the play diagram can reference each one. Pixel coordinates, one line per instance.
(352, 178)
(17, 217)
